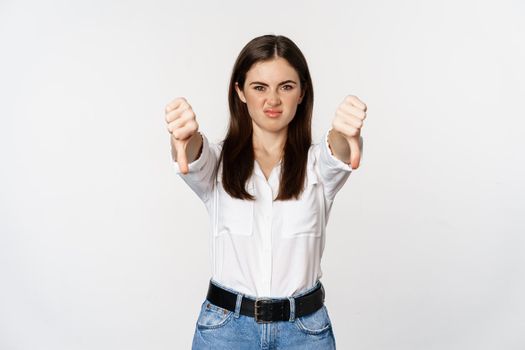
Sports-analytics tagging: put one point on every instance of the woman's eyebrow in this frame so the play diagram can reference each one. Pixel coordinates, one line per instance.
(281, 83)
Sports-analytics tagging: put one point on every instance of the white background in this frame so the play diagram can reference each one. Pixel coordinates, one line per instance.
(102, 246)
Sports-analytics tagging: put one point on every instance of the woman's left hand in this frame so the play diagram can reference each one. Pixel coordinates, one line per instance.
(348, 122)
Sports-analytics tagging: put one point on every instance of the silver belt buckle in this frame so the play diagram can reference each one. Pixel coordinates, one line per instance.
(257, 307)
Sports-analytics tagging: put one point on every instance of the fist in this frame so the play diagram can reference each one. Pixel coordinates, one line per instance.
(348, 121)
(182, 125)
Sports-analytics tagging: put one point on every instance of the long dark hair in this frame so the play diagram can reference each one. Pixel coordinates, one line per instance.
(237, 155)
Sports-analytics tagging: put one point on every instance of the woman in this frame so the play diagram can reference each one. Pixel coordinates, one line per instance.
(268, 192)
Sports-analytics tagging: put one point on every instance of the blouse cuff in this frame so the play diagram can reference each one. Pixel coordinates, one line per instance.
(332, 161)
(198, 163)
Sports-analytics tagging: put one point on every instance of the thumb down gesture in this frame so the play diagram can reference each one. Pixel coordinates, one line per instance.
(348, 121)
(182, 125)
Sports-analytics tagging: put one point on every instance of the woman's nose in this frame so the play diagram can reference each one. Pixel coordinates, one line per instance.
(274, 99)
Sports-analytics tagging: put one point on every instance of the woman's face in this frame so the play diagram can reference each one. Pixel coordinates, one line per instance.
(271, 91)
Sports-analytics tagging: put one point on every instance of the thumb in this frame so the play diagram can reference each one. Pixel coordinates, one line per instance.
(182, 160)
(355, 151)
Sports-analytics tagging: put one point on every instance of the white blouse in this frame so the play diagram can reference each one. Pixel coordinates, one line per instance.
(267, 247)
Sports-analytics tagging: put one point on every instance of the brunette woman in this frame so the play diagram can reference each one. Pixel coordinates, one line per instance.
(268, 192)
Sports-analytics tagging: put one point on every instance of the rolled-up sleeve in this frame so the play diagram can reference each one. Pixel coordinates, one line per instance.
(200, 176)
(333, 171)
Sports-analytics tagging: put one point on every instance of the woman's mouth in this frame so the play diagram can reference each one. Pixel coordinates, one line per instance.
(272, 113)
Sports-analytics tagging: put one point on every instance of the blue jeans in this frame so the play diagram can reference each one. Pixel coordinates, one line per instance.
(217, 328)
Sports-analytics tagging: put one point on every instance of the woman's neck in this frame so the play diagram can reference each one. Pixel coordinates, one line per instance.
(269, 143)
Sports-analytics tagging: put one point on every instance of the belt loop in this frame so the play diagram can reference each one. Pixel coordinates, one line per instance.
(292, 308)
(238, 305)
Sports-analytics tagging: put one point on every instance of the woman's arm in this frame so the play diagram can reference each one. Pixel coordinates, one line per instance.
(193, 147)
(182, 125)
(340, 150)
(194, 159)
(345, 139)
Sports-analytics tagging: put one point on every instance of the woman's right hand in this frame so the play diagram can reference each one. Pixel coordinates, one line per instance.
(182, 125)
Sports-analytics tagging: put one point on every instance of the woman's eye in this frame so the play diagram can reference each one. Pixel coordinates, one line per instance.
(259, 88)
(287, 87)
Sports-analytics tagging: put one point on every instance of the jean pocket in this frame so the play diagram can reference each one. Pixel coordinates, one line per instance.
(213, 316)
(316, 323)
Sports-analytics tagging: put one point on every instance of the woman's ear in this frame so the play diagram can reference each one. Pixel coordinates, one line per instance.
(239, 92)
(302, 95)
(300, 99)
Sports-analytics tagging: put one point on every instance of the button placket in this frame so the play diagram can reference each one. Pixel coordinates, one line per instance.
(267, 243)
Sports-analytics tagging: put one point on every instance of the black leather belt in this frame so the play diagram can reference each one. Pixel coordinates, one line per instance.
(266, 310)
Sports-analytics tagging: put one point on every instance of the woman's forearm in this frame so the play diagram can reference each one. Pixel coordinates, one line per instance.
(193, 149)
(339, 146)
